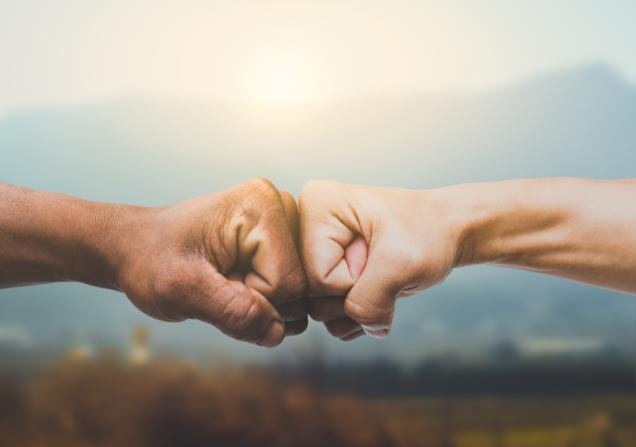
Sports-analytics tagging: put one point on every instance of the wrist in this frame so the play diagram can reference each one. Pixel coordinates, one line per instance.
(52, 237)
(480, 213)
(113, 242)
(100, 241)
(449, 210)
(471, 213)
(92, 240)
(501, 222)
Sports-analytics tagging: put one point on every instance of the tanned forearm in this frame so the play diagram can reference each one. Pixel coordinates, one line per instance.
(226, 258)
(584, 230)
(49, 237)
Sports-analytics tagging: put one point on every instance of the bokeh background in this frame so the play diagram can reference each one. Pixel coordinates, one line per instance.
(151, 102)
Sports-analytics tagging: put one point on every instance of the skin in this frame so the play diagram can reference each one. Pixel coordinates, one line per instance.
(364, 247)
(227, 258)
(230, 258)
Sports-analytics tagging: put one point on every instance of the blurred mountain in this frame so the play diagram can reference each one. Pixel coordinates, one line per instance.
(580, 122)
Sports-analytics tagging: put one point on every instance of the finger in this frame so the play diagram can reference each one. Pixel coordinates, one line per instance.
(342, 327)
(353, 336)
(293, 310)
(371, 301)
(326, 308)
(291, 212)
(323, 240)
(276, 270)
(356, 257)
(238, 311)
(296, 327)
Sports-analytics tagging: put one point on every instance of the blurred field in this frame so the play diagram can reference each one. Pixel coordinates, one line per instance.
(567, 422)
(106, 401)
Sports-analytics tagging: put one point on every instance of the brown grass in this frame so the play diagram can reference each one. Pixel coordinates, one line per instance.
(105, 402)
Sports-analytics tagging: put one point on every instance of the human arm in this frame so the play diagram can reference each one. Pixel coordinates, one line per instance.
(227, 258)
(376, 244)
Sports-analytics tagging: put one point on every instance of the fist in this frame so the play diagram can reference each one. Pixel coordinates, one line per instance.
(363, 247)
(228, 259)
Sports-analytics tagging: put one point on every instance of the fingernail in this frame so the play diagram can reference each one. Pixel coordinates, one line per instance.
(274, 335)
(376, 331)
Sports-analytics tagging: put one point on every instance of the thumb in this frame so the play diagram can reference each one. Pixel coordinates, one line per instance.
(371, 300)
(239, 311)
(291, 212)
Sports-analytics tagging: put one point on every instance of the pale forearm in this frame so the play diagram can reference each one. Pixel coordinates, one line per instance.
(583, 230)
(47, 237)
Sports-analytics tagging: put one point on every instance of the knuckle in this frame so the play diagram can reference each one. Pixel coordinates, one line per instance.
(321, 310)
(263, 182)
(311, 190)
(316, 312)
(263, 187)
(263, 203)
(332, 328)
(296, 327)
(291, 286)
(251, 198)
(310, 186)
(319, 185)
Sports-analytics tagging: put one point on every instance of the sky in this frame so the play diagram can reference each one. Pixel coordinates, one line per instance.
(273, 53)
(102, 78)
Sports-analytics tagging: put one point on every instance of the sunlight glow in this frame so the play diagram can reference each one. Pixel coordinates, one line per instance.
(281, 85)
(281, 79)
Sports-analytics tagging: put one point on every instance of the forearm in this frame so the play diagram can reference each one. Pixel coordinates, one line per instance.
(48, 237)
(583, 230)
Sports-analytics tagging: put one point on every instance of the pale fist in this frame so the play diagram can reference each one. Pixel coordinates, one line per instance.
(371, 245)
(227, 258)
